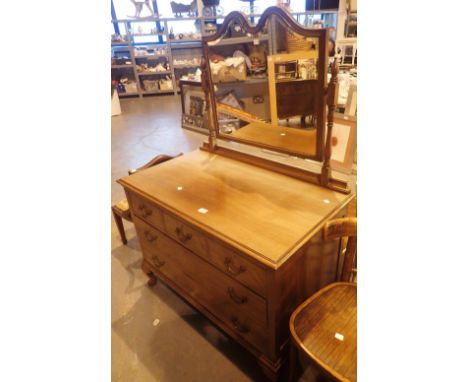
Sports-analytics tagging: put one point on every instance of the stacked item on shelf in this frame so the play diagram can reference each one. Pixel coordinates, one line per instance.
(307, 69)
(210, 28)
(186, 63)
(211, 8)
(155, 85)
(229, 69)
(165, 83)
(192, 76)
(150, 85)
(149, 52)
(121, 60)
(236, 30)
(193, 106)
(184, 36)
(347, 52)
(145, 28)
(346, 79)
(125, 85)
(351, 25)
(347, 91)
(116, 38)
(195, 61)
(228, 123)
(257, 61)
(187, 68)
(153, 31)
(145, 68)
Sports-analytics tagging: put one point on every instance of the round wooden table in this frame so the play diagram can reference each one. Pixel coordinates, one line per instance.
(324, 328)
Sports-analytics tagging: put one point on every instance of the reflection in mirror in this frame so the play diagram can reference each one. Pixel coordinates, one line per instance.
(269, 86)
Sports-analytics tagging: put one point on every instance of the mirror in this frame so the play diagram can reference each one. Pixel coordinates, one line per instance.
(267, 83)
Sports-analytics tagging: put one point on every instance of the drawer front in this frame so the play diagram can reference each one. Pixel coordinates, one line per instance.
(238, 267)
(185, 235)
(239, 308)
(145, 210)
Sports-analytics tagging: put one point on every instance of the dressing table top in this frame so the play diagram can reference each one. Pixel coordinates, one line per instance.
(258, 211)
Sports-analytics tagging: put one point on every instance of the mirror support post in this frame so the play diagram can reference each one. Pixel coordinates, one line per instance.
(331, 104)
(209, 110)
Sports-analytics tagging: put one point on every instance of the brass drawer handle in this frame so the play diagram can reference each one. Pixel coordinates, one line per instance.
(236, 298)
(238, 326)
(231, 269)
(150, 237)
(145, 212)
(183, 237)
(157, 262)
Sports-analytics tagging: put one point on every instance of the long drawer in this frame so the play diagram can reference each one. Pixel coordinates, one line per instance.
(239, 308)
(223, 258)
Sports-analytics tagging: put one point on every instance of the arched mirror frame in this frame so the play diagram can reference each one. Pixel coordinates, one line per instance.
(323, 144)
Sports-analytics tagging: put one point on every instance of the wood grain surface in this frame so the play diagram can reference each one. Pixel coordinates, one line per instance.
(267, 214)
(287, 139)
(324, 327)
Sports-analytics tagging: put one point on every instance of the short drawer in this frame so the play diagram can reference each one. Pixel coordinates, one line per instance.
(185, 235)
(235, 305)
(145, 210)
(236, 266)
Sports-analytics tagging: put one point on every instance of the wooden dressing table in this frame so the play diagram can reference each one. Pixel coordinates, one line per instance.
(238, 238)
(251, 258)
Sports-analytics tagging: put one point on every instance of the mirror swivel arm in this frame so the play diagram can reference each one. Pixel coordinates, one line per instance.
(331, 103)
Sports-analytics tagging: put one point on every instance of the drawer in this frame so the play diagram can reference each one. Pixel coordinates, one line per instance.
(240, 309)
(145, 210)
(185, 235)
(237, 267)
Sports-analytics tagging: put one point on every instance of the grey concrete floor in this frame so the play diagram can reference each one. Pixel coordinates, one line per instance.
(156, 336)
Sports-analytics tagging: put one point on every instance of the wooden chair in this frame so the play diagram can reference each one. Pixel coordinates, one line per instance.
(121, 210)
(324, 326)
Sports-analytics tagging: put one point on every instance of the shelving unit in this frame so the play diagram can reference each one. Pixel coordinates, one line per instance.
(175, 45)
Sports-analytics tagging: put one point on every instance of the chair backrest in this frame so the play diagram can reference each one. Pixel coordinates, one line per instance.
(344, 229)
(153, 162)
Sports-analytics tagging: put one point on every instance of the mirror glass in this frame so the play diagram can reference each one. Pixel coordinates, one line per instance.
(268, 85)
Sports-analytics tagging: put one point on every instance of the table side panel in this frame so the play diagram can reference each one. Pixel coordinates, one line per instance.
(312, 267)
